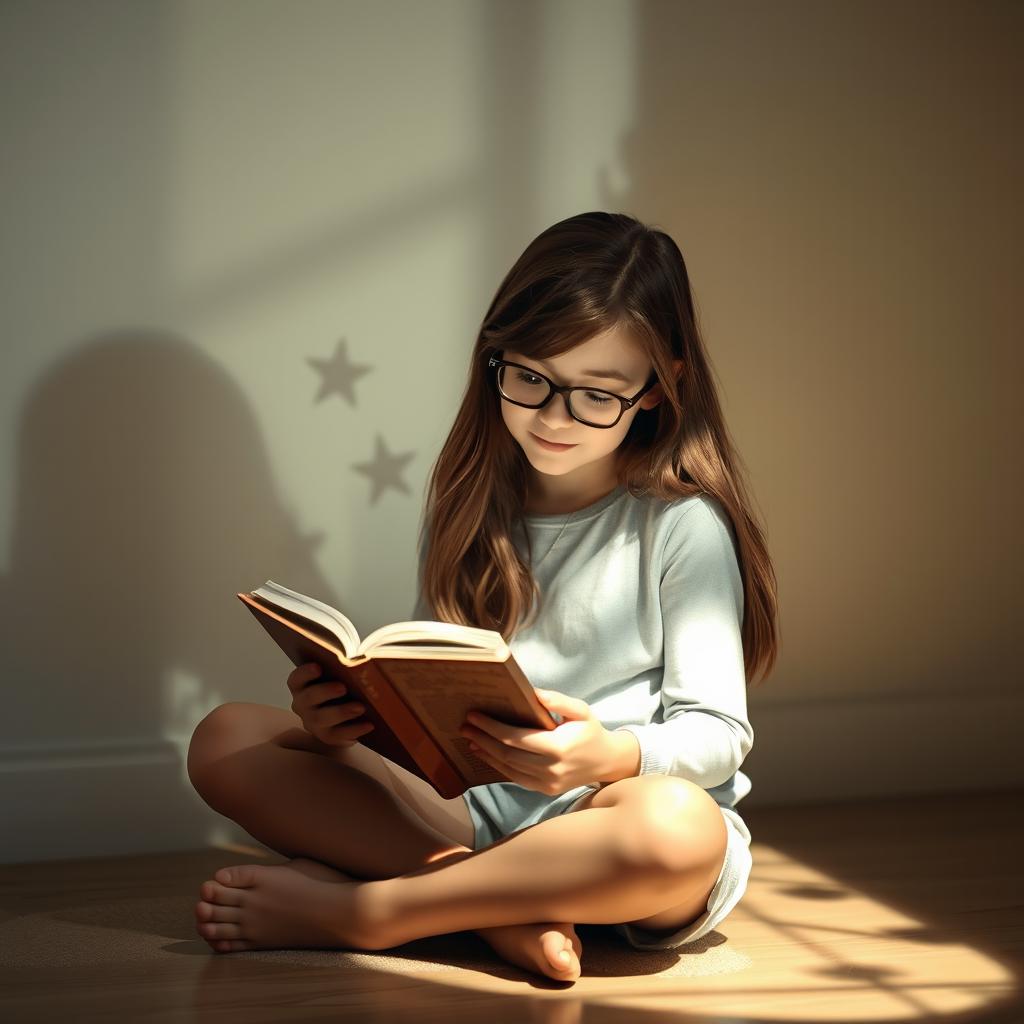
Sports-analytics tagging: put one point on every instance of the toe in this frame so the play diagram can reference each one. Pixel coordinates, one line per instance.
(566, 960)
(214, 930)
(229, 945)
(217, 912)
(240, 876)
(560, 952)
(226, 895)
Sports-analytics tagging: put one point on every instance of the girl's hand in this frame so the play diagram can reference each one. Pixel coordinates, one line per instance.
(575, 753)
(325, 711)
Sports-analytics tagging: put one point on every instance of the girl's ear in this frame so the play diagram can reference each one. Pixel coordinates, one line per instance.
(652, 398)
(657, 393)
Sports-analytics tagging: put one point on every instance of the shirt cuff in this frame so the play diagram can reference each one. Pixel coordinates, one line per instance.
(653, 760)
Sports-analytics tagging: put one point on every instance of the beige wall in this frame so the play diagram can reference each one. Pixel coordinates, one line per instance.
(200, 198)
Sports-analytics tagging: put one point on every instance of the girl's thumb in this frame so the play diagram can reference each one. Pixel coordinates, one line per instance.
(564, 703)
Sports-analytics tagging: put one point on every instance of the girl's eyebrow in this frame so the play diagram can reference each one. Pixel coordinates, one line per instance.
(606, 374)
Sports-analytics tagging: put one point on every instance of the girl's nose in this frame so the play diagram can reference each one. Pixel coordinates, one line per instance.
(555, 413)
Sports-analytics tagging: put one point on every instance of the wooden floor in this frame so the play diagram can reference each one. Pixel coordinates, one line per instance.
(902, 910)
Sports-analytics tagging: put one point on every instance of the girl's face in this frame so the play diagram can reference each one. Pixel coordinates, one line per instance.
(590, 463)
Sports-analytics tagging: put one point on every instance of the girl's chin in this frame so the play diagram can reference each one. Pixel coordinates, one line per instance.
(545, 469)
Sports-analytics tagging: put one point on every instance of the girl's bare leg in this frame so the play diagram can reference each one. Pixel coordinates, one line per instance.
(307, 804)
(601, 866)
(608, 863)
(303, 803)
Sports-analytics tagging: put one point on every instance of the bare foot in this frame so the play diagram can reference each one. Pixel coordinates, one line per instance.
(537, 947)
(299, 905)
(306, 904)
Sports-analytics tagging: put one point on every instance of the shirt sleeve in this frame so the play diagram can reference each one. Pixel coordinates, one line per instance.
(705, 733)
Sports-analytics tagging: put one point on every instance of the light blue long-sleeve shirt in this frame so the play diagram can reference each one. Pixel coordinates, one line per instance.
(640, 616)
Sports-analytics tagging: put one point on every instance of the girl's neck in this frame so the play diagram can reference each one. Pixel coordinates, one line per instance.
(546, 500)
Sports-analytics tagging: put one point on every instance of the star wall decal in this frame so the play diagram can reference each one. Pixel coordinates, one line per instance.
(385, 470)
(338, 374)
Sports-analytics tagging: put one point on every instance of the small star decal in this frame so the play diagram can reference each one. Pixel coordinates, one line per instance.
(338, 374)
(385, 470)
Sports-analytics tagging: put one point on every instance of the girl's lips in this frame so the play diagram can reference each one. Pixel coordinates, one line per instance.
(551, 445)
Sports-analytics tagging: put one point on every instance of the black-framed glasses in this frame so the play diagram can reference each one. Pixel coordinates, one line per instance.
(592, 407)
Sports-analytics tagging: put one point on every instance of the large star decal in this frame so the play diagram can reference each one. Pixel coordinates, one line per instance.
(385, 470)
(338, 374)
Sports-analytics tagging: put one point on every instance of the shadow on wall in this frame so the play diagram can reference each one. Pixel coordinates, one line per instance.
(144, 502)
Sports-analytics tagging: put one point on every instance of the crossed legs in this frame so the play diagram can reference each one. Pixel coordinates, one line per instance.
(642, 851)
(646, 850)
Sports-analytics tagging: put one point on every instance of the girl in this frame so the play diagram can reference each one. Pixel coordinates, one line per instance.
(587, 505)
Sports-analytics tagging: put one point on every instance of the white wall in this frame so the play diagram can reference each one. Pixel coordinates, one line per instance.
(201, 198)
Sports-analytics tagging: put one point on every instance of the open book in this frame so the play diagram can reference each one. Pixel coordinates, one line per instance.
(417, 681)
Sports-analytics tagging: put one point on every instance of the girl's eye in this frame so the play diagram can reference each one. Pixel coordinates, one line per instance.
(597, 399)
(527, 378)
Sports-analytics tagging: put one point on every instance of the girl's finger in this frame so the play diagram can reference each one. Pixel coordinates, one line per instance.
(529, 740)
(347, 711)
(302, 674)
(507, 758)
(323, 694)
(349, 730)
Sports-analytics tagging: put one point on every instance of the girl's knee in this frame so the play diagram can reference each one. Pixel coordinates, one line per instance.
(225, 729)
(674, 822)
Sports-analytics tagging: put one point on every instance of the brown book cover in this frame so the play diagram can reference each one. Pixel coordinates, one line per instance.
(417, 680)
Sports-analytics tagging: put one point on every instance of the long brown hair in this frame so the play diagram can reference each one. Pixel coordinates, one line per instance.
(579, 278)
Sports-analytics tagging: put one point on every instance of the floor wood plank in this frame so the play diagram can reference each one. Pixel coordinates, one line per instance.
(897, 910)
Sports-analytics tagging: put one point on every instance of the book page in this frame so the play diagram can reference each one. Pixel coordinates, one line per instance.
(312, 610)
(444, 635)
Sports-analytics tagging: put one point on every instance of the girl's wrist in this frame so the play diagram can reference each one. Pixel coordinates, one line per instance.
(623, 756)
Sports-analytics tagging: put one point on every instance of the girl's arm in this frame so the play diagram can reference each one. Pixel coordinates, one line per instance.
(706, 733)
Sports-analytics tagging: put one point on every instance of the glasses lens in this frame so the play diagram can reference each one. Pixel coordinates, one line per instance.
(522, 386)
(593, 407)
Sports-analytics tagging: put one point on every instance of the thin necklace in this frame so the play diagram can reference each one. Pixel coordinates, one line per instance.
(560, 532)
(557, 538)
